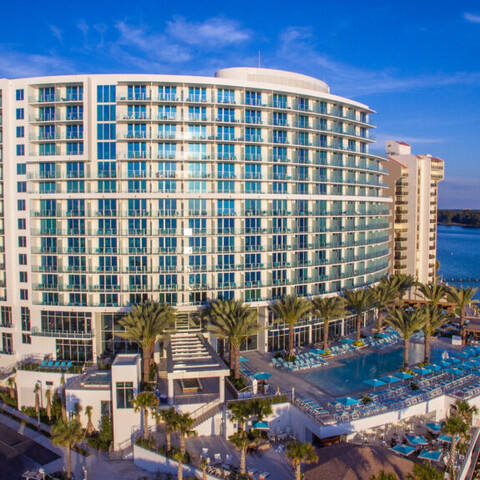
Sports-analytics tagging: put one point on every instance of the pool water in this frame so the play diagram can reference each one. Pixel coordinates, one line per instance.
(349, 377)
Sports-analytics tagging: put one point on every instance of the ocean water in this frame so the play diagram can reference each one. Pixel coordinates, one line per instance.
(458, 252)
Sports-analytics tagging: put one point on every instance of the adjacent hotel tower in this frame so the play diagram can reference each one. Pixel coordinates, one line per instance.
(120, 188)
(413, 185)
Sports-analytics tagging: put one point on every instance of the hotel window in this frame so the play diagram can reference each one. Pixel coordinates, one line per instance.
(20, 114)
(124, 394)
(26, 338)
(21, 168)
(22, 258)
(21, 224)
(25, 315)
(23, 294)
(20, 132)
(23, 277)
(20, 150)
(22, 241)
(19, 94)
(226, 96)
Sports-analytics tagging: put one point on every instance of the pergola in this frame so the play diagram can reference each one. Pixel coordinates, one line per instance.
(190, 356)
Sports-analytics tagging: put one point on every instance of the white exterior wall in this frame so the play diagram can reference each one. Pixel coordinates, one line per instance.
(88, 397)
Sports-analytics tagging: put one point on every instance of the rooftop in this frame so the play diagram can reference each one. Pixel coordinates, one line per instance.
(123, 360)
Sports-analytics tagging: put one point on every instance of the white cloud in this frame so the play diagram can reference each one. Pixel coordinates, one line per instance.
(381, 138)
(213, 32)
(56, 32)
(471, 17)
(17, 65)
(83, 27)
(298, 43)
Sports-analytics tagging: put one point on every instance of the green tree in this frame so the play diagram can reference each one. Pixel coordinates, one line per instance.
(170, 418)
(11, 386)
(328, 309)
(77, 409)
(462, 297)
(144, 402)
(434, 319)
(384, 476)
(88, 413)
(425, 471)
(299, 453)
(48, 396)
(63, 397)
(463, 409)
(458, 429)
(384, 296)
(241, 441)
(67, 434)
(359, 301)
(241, 412)
(235, 322)
(261, 409)
(290, 309)
(406, 323)
(143, 325)
(432, 293)
(184, 427)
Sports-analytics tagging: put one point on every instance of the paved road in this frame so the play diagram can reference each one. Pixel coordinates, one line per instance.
(19, 453)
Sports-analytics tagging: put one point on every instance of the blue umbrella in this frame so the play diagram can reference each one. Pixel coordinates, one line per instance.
(430, 455)
(416, 440)
(243, 359)
(262, 375)
(404, 375)
(445, 363)
(434, 427)
(422, 371)
(347, 340)
(403, 449)
(318, 351)
(260, 426)
(434, 367)
(454, 360)
(348, 401)
(462, 355)
(465, 366)
(389, 379)
(445, 438)
(454, 371)
(382, 335)
(474, 363)
(374, 382)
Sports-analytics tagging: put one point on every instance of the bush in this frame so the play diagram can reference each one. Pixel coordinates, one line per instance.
(290, 358)
(366, 399)
(102, 439)
(5, 396)
(358, 344)
(238, 383)
(414, 386)
(153, 372)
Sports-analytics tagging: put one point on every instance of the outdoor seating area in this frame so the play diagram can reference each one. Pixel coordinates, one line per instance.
(303, 361)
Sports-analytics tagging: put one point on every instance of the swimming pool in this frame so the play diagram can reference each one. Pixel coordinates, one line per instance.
(349, 377)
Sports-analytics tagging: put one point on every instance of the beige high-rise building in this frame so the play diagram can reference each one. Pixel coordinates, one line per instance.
(413, 185)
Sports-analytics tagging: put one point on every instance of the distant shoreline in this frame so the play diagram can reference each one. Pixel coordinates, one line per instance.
(459, 218)
(452, 224)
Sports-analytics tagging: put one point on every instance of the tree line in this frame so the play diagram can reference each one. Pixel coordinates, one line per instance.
(468, 218)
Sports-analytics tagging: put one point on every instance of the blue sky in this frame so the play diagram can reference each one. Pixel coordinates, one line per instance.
(416, 63)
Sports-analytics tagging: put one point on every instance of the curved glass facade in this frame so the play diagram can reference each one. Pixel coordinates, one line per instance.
(182, 189)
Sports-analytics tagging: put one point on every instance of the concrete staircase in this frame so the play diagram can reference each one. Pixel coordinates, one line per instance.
(207, 411)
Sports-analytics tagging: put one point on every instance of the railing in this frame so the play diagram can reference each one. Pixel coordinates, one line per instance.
(205, 408)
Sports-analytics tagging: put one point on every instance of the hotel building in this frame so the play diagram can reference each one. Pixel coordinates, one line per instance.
(115, 189)
(413, 185)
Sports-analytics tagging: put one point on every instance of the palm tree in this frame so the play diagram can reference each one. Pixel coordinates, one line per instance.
(462, 297)
(462, 409)
(170, 417)
(299, 453)
(143, 325)
(241, 441)
(204, 465)
(457, 428)
(432, 293)
(435, 318)
(48, 396)
(359, 301)
(185, 428)
(88, 413)
(180, 458)
(11, 386)
(36, 391)
(145, 401)
(260, 409)
(425, 471)
(400, 282)
(384, 476)
(77, 410)
(328, 309)
(385, 296)
(233, 321)
(63, 398)
(406, 323)
(290, 309)
(67, 434)
(241, 412)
